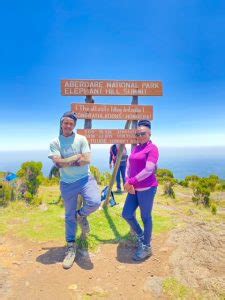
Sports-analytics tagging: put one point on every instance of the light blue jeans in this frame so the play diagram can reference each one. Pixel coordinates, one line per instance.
(87, 187)
(143, 199)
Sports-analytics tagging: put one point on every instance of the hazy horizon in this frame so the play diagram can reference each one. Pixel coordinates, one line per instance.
(201, 161)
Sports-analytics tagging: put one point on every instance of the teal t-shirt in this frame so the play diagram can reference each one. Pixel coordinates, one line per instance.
(66, 147)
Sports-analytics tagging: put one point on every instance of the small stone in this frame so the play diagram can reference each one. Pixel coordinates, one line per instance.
(153, 285)
(192, 212)
(164, 249)
(17, 263)
(155, 258)
(120, 267)
(27, 283)
(72, 287)
(98, 291)
(43, 207)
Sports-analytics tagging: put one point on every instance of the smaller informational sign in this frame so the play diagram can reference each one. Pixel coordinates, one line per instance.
(109, 136)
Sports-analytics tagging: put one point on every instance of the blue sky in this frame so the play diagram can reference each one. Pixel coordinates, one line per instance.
(178, 42)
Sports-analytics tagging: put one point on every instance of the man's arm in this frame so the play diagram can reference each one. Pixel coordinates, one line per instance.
(84, 159)
(85, 156)
(65, 162)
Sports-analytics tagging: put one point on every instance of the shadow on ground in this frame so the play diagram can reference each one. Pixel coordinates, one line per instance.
(55, 255)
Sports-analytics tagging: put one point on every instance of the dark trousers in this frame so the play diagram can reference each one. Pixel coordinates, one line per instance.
(121, 171)
(144, 200)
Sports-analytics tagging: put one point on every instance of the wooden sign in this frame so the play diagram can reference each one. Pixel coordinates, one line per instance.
(78, 87)
(112, 112)
(109, 136)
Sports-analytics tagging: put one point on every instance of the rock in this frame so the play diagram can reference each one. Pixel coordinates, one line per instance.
(72, 287)
(27, 283)
(154, 285)
(98, 291)
(192, 212)
(43, 207)
(164, 249)
(120, 267)
(16, 263)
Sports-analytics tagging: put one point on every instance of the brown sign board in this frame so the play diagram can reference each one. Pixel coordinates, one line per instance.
(112, 112)
(78, 87)
(109, 136)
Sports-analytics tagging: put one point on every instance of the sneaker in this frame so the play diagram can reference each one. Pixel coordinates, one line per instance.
(70, 255)
(139, 240)
(84, 224)
(142, 252)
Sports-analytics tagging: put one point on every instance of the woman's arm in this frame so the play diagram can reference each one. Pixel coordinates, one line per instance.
(127, 173)
(146, 172)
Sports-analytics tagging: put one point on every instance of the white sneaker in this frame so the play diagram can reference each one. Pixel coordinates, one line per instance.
(70, 255)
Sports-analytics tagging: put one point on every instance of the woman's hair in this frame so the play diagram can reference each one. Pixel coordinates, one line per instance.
(145, 123)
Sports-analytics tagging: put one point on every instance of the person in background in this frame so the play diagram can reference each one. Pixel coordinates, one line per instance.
(141, 185)
(71, 154)
(122, 167)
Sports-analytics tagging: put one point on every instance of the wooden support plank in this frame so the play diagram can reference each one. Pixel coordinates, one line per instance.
(115, 170)
(134, 122)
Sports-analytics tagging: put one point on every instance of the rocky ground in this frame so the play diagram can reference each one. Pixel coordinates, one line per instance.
(194, 254)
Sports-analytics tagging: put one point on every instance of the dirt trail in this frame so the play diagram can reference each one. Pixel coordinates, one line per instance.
(193, 254)
(35, 272)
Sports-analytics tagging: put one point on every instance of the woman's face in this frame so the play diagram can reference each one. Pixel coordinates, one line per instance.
(143, 134)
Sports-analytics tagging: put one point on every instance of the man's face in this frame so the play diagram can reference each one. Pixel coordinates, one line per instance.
(68, 126)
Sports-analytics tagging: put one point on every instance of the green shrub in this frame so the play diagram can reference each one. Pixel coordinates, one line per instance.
(214, 209)
(30, 176)
(106, 178)
(183, 183)
(164, 173)
(7, 193)
(168, 184)
(201, 192)
(49, 182)
(36, 201)
(96, 173)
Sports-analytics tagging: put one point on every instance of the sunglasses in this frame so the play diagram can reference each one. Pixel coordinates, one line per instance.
(140, 134)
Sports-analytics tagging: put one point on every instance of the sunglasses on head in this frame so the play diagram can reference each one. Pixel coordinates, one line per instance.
(140, 134)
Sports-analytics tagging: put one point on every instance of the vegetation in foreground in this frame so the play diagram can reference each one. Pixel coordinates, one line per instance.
(32, 207)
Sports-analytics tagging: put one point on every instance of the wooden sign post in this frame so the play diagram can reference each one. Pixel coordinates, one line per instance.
(131, 113)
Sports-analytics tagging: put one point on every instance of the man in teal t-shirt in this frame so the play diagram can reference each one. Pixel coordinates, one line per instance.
(71, 153)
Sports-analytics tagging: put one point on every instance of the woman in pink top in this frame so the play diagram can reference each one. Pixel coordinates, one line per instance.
(141, 185)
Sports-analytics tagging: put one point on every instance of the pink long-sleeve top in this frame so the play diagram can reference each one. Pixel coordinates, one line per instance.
(142, 166)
